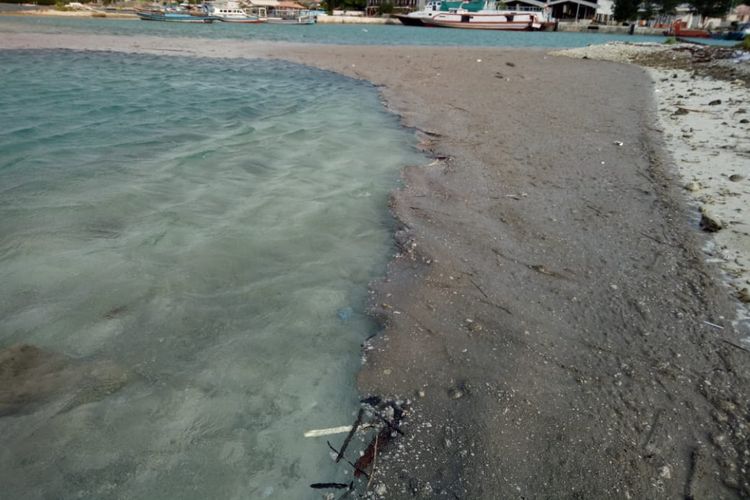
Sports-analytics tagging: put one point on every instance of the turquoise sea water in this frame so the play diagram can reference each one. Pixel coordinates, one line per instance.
(322, 33)
(196, 239)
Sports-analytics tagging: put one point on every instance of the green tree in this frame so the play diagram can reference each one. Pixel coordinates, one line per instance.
(385, 8)
(668, 6)
(711, 8)
(626, 10)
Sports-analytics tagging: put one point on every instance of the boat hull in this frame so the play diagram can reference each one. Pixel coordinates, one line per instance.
(249, 20)
(410, 21)
(489, 25)
(300, 22)
(677, 30)
(506, 21)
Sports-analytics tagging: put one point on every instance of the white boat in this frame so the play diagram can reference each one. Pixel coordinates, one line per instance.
(291, 16)
(415, 18)
(479, 14)
(230, 11)
(290, 12)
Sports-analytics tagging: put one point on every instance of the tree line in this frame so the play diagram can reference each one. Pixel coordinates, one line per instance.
(629, 10)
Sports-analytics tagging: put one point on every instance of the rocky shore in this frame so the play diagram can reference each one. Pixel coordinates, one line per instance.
(550, 316)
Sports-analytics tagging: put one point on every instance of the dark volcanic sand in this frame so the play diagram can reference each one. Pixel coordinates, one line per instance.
(550, 299)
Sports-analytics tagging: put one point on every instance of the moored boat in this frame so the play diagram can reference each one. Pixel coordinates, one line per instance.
(179, 14)
(302, 18)
(231, 12)
(479, 14)
(415, 18)
(291, 12)
(739, 33)
(680, 29)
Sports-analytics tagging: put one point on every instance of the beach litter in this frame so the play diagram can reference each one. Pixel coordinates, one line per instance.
(384, 417)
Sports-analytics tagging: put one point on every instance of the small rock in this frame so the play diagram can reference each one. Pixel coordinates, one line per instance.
(421, 393)
(474, 327)
(735, 177)
(665, 472)
(381, 490)
(510, 64)
(456, 393)
(744, 120)
(715, 102)
(744, 295)
(693, 186)
(710, 223)
(681, 111)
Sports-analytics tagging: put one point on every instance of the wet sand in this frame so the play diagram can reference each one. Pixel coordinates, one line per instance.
(550, 313)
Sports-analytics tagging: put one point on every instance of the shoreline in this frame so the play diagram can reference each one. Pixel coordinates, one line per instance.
(702, 121)
(547, 312)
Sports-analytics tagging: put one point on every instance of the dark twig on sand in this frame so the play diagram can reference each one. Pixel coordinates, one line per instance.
(327, 486)
(357, 470)
(350, 435)
(735, 345)
(374, 464)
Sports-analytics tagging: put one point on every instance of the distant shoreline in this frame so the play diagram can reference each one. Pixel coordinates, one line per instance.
(74, 13)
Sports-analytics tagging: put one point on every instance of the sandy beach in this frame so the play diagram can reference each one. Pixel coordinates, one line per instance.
(551, 315)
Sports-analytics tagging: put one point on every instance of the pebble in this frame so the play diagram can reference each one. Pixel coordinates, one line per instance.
(381, 490)
(710, 223)
(744, 295)
(735, 177)
(693, 186)
(455, 393)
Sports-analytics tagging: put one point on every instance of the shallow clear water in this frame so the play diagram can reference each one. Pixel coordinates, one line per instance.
(321, 33)
(189, 234)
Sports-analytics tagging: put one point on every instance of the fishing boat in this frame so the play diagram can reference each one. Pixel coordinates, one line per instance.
(679, 29)
(231, 12)
(483, 15)
(739, 33)
(180, 14)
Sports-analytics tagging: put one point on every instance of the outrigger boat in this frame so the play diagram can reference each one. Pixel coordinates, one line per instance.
(480, 14)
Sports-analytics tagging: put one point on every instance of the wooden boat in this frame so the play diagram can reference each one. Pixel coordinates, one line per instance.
(680, 29)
